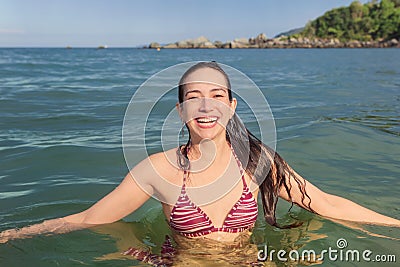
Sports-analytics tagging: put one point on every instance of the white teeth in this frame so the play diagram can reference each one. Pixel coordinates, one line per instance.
(206, 120)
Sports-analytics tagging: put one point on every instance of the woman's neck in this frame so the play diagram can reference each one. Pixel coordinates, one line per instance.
(206, 152)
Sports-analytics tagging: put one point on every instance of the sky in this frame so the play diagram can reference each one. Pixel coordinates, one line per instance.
(132, 23)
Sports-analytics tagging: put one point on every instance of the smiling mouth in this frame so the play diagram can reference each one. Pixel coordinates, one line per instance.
(206, 122)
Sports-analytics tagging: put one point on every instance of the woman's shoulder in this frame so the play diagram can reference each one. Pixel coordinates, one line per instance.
(158, 168)
(166, 158)
(165, 163)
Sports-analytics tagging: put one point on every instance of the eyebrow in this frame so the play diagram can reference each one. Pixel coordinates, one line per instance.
(212, 90)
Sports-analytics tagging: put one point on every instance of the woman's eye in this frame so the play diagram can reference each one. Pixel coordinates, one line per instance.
(192, 97)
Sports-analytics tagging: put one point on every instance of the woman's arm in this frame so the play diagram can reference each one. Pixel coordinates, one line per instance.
(311, 198)
(122, 201)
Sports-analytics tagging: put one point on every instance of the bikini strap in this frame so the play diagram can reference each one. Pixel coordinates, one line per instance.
(185, 174)
(183, 189)
(240, 166)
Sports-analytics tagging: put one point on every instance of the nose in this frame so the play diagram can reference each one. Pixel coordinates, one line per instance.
(205, 105)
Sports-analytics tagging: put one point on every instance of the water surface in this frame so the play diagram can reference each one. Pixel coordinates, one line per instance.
(61, 113)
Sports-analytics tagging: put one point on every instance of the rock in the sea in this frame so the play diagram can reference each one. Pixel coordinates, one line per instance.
(184, 44)
(218, 44)
(198, 41)
(354, 44)
(173, 45)
(206, 45)
(259, 41)
(226, 45)
(239, 43)
(393, 42)
(262, 37)
(154, 45)
(243, 41)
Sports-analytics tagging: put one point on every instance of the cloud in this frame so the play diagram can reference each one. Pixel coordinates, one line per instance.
(11, 31)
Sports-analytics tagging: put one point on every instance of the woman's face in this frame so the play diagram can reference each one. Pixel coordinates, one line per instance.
(206, 108)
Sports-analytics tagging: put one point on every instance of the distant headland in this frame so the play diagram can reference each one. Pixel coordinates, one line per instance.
(261, 41)
(375, 24)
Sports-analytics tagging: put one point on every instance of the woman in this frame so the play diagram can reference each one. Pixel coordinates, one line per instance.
(219, 147)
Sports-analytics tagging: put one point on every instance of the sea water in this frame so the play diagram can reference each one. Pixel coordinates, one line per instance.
(61, 114)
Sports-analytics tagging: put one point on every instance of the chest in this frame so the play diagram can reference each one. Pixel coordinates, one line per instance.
(216, 202)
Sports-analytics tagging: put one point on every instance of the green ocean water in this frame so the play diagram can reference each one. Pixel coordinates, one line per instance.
(337, 114)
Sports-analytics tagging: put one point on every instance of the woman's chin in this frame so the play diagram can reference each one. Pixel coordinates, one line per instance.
(201, 132)
(209, 135)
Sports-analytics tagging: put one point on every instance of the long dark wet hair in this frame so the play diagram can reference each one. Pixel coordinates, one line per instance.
(266, 167)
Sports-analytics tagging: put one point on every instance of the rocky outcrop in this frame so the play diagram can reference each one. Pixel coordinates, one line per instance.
(200, 42)
(261, 41)
(155, 45)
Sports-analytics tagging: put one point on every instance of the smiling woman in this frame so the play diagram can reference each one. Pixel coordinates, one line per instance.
(219, 148)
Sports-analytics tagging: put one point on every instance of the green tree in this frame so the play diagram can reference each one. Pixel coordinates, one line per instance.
(396, 3)
(356, 10)
(373, 20)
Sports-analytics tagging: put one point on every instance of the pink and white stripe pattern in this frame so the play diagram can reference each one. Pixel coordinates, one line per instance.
(189, 220)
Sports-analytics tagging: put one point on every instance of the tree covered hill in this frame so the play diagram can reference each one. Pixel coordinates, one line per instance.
(376, 20)
(375, 24)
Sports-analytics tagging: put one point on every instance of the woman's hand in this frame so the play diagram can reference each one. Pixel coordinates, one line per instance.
(49, 226)
(311, 198)
(122, 201)
(5, 235)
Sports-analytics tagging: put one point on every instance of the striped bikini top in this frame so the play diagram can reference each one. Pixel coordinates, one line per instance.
(191, 221)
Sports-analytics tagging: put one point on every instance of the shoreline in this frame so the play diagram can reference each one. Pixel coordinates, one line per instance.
(147, 48)
(282, 42)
